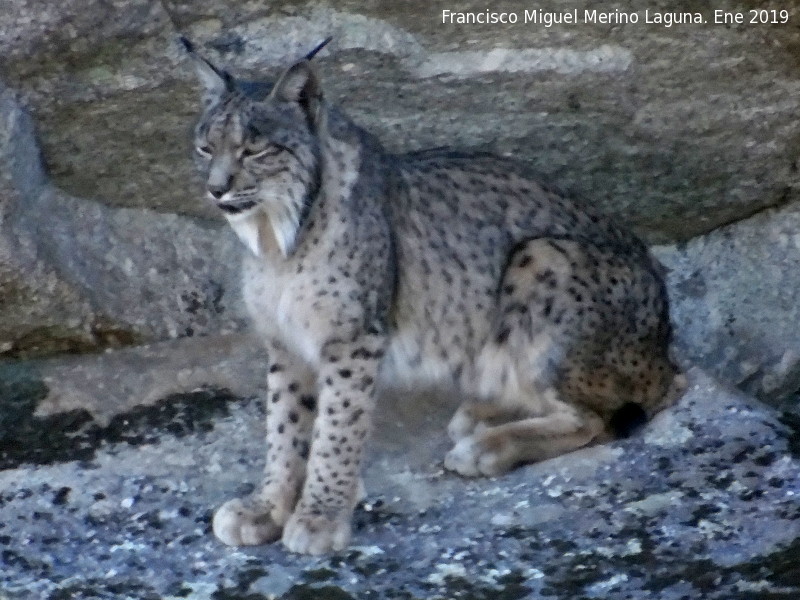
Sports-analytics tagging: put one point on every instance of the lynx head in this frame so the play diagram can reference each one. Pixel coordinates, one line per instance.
(260, 150)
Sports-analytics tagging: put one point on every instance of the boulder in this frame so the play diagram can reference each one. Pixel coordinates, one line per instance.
(735, 302)
(77, 275)
(702, 503)
(686, 131)
(679, 129)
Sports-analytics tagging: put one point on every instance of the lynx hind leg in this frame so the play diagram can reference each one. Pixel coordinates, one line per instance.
(495, 450)
(618, 363)
(473, 417)
(568, 317)
(291, 407)
(607, 310)
(520, 416)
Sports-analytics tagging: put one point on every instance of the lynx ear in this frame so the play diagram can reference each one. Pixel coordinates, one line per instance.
(215, 81)
(300, 85)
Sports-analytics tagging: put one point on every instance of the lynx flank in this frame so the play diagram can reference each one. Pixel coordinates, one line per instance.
(365, 269)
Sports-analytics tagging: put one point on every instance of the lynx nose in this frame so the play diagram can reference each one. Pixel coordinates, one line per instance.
(218, 190)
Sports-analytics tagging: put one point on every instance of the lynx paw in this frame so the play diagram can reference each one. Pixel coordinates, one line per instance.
(316, 534)
(241, 522)
(464, 424)
(470, 458)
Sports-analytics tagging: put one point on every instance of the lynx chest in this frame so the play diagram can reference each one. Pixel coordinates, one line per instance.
(301, 304)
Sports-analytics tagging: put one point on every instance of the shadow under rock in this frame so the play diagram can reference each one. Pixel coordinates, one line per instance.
(76, 436)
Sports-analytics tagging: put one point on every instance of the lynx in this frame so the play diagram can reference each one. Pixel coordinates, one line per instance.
(364, 269)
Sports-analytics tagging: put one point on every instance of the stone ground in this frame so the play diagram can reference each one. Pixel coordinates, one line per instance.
(704, 502)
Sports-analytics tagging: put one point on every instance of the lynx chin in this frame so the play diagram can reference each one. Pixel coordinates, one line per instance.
(363, 268)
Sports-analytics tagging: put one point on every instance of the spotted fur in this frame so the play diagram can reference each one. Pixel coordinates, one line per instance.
(426, 269)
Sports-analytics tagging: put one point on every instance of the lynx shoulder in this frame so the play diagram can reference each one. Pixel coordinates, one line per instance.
(364, 269)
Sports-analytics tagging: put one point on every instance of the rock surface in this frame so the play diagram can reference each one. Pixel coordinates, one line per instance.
(110, 464)
(679, 129)
(115, 382)
(735, 304)
(76, 275)
(703, 503)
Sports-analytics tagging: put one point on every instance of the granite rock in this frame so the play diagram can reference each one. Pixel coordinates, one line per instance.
(704, 502)
(679, 129)
(104, 241)
(77, 275)
(735, 305)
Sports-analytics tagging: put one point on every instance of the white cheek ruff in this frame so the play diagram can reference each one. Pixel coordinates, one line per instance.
(245, 225)
(284, 218)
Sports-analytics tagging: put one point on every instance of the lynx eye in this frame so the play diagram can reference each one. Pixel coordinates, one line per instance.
(204, 150)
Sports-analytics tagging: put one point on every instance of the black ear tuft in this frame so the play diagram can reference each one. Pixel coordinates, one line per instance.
(215, 81)
(189, 46)
(319, 47)
(230, 82)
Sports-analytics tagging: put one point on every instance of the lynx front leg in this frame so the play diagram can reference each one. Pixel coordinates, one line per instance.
(291, 406)
(321, 520)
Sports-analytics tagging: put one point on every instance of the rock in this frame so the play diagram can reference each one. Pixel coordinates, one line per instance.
(116, 382)
(643, 121)
(77, 275)
(38, 306)
(716, 514)
(735, 302)
(646, 121)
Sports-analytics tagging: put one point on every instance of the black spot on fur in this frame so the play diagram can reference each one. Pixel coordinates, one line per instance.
(627, 419)
(543, 276)
(548, 307)
(355, 416)
(308, 402)
(502, 336)
(303, 450)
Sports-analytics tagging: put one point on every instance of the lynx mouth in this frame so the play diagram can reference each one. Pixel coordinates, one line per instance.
(234, 208)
